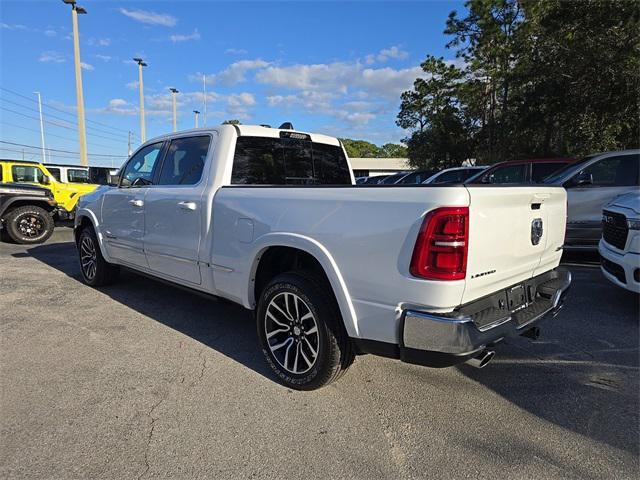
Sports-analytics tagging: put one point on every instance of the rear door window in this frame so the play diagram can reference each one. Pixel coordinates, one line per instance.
(76, 175)
(539, 171)
(184, 162)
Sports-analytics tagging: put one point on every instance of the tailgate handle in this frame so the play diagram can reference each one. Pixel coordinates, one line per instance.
(535, 206)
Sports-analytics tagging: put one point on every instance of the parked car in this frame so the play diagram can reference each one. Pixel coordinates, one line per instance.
(454, 175)
(65, 194)
(620, 244)
(270, 219)
(26, 212)
(415, 177)
(371, 180)
(393, 178)
(521, 171)
(591, 183)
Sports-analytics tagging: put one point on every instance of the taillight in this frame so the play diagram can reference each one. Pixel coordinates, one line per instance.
(441, 249)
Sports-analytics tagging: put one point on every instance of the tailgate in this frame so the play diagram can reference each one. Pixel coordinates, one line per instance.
(515, 233)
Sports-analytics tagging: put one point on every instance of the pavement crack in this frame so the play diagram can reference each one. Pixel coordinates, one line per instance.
(152, 427)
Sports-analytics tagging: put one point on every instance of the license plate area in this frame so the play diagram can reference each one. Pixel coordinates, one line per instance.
(516, 298)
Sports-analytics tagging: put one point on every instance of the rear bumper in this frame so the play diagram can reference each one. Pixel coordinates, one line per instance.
(442, 340)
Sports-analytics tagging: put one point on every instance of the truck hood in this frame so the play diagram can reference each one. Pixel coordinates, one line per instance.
(628, 200)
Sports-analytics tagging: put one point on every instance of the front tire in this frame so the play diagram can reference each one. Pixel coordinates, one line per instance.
(96, 271)
(29, 225)
(301, 332)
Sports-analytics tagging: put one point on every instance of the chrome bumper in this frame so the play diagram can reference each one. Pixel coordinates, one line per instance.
(443, 340)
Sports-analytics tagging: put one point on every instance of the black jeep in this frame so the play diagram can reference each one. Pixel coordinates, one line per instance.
(26, 212)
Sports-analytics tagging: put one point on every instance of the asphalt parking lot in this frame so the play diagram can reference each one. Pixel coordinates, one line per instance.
(142, 380)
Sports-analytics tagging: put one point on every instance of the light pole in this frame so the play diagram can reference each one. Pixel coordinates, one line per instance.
(173, 95)
(44, 155)
(197, 113)
(82, 134)
(141, 64)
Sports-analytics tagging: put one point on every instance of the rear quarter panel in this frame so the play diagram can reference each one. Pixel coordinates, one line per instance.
(363, 236)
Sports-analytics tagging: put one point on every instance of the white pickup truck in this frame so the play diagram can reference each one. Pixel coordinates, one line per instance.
(271, 219)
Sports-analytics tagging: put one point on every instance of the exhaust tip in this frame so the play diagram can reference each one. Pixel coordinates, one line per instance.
(482, 360)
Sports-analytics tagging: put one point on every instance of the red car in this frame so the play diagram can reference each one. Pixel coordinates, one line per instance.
(522, 171)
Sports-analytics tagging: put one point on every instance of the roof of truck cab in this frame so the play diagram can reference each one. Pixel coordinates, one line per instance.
(248, 131)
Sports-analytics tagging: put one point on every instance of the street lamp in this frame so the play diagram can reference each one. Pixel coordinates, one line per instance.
(141, 63)
(44, 155)
(173, 95)
(197, 113)
(82, 133)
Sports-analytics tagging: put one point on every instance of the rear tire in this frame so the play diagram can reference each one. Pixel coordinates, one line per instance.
(96, 271)
(29, 225)
(301, 332)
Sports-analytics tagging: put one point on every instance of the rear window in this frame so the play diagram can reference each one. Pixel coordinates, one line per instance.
(288, 161)
(506, 174)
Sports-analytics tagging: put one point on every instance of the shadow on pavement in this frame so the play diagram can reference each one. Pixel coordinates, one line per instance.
(224, 326)
(582, 374)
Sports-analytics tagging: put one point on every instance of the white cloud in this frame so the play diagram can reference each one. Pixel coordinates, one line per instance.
(104, 58)
(14, 26)
(241, 99)
(117, 102)
(133, 85)
(150, 18)
(232, 75)
(51, 56)
(185, 38)
(86, 66)
(391, 52)
(99, 42)
(50, 33)
(235, 51)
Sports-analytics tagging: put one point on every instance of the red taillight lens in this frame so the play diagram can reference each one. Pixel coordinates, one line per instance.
(441, 248)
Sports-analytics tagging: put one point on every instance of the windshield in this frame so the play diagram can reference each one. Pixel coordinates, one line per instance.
(560, 174)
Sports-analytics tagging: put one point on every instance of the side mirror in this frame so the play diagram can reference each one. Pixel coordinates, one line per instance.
(583, 178)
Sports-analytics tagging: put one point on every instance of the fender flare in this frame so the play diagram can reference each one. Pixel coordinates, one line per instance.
(324, 258)
(84, 213)
(36, 201)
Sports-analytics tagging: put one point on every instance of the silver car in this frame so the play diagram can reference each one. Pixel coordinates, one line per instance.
(591, 183)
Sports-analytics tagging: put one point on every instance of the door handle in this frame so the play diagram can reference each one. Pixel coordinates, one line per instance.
(136, 202)
(187, 205)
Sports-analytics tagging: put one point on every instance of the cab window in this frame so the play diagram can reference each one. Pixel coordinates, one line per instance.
(140, 168)
(620, 171)
(27, 174)
(55, 172)
(76, 175)
(184, 161)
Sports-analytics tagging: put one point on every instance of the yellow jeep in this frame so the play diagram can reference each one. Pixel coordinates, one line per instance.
(65, 194)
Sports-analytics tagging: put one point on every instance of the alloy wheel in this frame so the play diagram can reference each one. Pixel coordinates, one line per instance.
(292, 333)
(88, 257)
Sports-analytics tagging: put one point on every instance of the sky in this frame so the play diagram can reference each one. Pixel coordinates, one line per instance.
(329, 67)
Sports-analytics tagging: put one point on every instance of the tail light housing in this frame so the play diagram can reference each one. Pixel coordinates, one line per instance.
(441, 249)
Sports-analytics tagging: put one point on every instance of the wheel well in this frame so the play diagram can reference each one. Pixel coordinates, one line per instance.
(22, 203)
(277, 260)
(84, 222)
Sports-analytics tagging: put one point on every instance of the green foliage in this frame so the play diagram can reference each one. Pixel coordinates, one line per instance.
(232, 122)
(364, 149)
(538, 78)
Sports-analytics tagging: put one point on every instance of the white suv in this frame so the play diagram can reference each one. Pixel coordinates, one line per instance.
(620, 244)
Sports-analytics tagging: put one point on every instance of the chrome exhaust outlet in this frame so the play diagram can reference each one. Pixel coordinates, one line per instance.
(482, 359)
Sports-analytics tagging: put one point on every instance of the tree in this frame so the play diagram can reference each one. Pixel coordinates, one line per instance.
(232, 122)
(360, 148)
(393, 150)
(538, 78)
